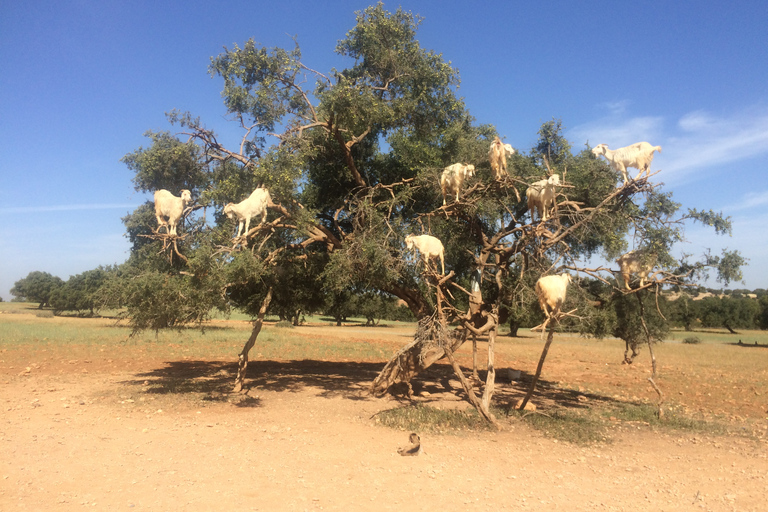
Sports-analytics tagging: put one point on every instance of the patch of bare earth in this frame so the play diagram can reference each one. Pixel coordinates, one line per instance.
(109, 432)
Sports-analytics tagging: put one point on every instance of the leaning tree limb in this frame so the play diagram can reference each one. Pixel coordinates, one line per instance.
(243, 357)
(550, 336)
(659, 410)
(535, 379)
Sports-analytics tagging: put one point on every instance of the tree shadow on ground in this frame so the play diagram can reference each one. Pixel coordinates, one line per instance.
(440, 379)
(748, 345)
(214, 380)
(348, 321)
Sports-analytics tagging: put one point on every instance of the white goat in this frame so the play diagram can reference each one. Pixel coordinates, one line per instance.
(453, 177)
(636, 262)
(429, 247)
(256, 204)
(169, 209)
(498, 154)
(551, 292)
(638, 155)
(541, 194)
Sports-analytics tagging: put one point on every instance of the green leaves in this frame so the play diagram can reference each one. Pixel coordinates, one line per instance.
(721, 224)
(167, 164)
(81, 292)
(36, 287)
(552, 145)
(261, 84)
(728, 265)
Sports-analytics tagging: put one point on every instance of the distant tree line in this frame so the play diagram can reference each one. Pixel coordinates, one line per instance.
(103, 288)
(80, 294)
(87, 293)
(736, 311)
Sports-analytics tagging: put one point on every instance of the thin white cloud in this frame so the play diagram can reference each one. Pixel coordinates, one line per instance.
(707, 140)
(616, 107)
(696, 121)
(617, 131)
(66, 208)
(750, 200)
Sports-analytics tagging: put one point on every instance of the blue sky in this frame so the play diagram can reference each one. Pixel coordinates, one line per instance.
(83, 80)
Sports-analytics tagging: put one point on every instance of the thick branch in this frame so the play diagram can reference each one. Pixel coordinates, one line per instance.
(243, 357)
(412, 297)
(348, 158)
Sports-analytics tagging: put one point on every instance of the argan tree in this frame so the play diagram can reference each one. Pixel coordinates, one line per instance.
(36, 287)
(352, 160)
(81, 292)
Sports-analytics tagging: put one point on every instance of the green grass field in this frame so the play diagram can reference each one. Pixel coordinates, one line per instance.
(22, 324)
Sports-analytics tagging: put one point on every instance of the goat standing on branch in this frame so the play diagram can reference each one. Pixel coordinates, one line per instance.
(429, 247)
(453, 178)
(541, 195)
(551, 293)
(638, 155)
(498, 156)
(256, 204)
(169, 209)
(636, 262)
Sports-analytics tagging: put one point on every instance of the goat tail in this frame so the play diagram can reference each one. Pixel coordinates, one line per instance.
(658, 148)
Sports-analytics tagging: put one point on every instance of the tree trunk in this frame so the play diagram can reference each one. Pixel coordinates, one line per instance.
(651, 379)
(627, 346)
(418, 355)
(490, 379)
(243, 357)
(480, 405)
(532, 388)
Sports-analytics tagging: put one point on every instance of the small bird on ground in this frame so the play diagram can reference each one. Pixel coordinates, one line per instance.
(414, 448)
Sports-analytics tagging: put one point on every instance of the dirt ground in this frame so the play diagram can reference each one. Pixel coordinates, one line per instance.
(110, 431)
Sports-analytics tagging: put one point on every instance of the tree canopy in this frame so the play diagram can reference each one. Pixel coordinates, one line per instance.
(352, 160)
(36, 287)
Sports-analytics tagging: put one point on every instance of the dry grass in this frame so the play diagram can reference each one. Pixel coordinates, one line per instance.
(421, 418)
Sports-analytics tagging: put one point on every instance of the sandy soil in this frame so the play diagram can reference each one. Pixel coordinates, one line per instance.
(119, 434)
